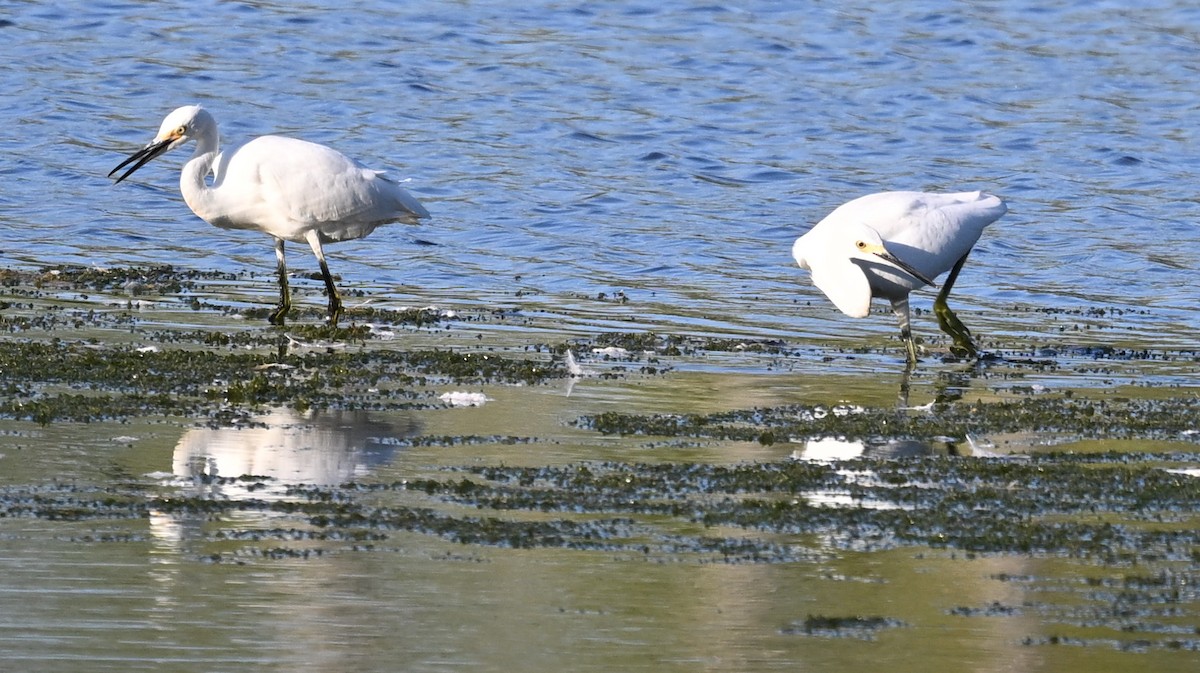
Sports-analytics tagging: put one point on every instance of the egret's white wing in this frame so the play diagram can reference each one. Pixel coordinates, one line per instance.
(929, 231)
(314, 185)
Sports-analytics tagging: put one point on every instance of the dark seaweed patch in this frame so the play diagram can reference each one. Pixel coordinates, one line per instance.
(124, 381)
(1170, 418)
(841, 627)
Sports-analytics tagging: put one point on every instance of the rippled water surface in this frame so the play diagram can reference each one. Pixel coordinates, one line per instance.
(671, 151)
(601, 166)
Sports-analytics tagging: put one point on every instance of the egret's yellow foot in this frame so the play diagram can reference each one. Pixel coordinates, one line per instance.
(285, 302)
(335, 310)
(964, 346)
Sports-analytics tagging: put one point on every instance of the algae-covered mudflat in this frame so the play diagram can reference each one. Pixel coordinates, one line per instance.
(1043, 502)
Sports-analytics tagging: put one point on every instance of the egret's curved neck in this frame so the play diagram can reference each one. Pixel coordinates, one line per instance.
(196, 191)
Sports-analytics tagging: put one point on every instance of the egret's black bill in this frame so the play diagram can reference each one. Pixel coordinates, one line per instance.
(141, 156)
(907, 268)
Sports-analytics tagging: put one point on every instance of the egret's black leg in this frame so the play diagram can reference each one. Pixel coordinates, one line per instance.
(277, 316)
(963, 346)
(335, 300)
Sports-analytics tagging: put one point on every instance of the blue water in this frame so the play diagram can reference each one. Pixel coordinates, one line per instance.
(668, 150)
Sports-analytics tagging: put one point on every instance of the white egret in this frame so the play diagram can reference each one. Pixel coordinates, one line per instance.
(292, 189)
(886, 245)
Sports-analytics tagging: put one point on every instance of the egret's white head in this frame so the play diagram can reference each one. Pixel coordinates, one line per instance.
(183, 124)
(839, 259)
(190, 122)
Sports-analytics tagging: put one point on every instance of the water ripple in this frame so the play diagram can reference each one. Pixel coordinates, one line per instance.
(671, 151)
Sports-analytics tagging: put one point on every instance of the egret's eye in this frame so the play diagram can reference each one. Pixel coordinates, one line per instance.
(182, 130)
(861, 245)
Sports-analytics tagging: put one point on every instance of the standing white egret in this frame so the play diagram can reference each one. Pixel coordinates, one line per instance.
(292, 189)
(888, 244)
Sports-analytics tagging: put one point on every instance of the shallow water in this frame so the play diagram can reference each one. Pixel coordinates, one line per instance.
(593, 168)
(360, 539)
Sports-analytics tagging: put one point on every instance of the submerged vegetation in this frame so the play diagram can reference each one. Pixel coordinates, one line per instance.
(1110, 508)
(57, 366)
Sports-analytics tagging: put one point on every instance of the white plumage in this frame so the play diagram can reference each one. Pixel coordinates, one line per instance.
(292, 189)
(888, 244)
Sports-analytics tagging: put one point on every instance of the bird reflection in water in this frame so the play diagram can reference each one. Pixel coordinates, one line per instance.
(260, 462)
(284, 447)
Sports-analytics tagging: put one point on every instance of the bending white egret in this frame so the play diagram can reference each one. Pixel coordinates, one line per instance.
(888, 244)
(291, 189)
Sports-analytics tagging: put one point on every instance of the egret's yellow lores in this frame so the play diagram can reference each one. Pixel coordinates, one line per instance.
(292, 189)
(886, 245)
